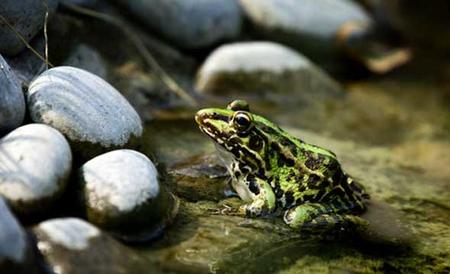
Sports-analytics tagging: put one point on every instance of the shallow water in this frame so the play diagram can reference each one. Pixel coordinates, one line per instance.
(391, 134)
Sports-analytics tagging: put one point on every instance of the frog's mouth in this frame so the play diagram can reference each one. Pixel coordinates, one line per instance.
(215, 126)
(211, 123)
(219, 139)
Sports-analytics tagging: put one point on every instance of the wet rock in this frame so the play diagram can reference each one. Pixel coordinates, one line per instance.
(26, 17)
(264, 68)
(162, 139)
(87, 58)
(15, 253)
(35, 165)
(26, 64)
(73, 246)
(92, 114)
(189, 23)
(386, 225)
(200, 178)
(122, 195)
(12, 101)
(309, 25)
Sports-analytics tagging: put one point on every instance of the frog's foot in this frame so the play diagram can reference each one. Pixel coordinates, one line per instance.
(319, 218)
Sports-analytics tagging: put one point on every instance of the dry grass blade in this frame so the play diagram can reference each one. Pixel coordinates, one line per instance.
(164, 77)
(46, 34)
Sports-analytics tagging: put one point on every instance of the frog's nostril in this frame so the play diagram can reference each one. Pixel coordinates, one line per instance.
(199, 116)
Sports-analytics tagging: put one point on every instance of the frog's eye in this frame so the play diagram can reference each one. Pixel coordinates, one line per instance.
(238, 105)
(242, 120)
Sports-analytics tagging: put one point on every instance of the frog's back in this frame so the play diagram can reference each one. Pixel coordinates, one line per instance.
(314, 176)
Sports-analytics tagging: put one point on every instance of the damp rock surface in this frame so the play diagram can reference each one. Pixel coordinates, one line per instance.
(190, 24)
(35, 163)
(27, 18)
(199, 178)
(12, 101)
(122, 194)
(74, 246)
(91, 113)
(402, 215)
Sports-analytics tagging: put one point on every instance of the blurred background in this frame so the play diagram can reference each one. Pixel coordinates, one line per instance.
(368, 79)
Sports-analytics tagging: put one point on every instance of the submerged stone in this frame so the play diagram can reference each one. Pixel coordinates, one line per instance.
(35, 163)
(73, 246)
(12, 101)
(200, 178)
(122, 194)
(91, 113)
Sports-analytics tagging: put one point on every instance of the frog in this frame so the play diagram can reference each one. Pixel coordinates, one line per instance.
(277, 174)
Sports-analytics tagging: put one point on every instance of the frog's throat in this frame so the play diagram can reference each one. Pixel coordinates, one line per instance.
(225, 156)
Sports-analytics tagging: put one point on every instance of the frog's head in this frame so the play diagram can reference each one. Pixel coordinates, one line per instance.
(235, 129)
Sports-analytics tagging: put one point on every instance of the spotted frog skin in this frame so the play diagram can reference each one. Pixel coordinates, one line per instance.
(276, 173)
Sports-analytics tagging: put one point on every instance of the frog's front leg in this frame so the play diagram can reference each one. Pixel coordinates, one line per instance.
(262, 196)
(314, 217)
(264, 201)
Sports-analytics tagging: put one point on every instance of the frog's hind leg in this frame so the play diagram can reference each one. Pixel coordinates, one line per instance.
(318, 218)
(357, 188)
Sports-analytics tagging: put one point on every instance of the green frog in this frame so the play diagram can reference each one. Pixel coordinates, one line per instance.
(278, 174)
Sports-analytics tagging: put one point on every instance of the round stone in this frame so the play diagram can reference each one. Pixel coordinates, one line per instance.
(264, 68)
(85, 57)
(74, 246)
(190, 23)
(35, 163)
(122, 195)
(92, 114)
(26, 65)
(309, 25)
(70, 233)
(15, 252)
(12, 101)
(27, 17)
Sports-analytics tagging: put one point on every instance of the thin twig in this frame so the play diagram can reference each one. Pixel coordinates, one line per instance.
(20, 36)
(164, 77)
(46, 34)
